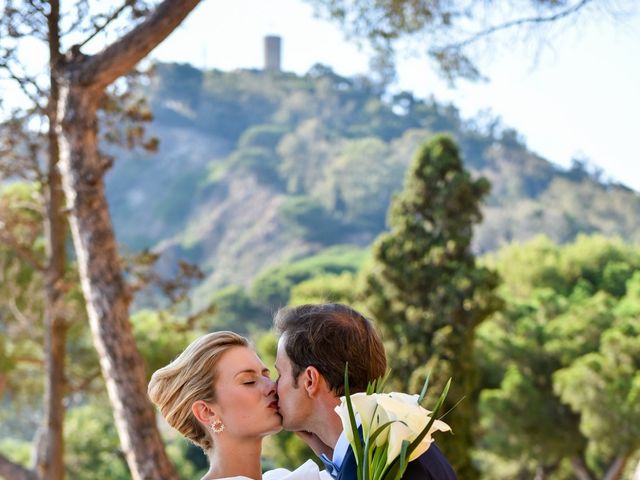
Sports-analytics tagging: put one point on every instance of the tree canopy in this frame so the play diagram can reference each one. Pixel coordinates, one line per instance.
(563, 358)
(426, 292)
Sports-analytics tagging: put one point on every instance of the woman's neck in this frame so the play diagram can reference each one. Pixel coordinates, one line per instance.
(233, 457)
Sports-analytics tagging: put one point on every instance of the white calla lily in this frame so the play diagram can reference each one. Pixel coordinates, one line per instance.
(405, 397)
(366, 409)
(365, 406)
(437, 426)
(404, 419)
(343, 413)
(398, 432)
(411, 420)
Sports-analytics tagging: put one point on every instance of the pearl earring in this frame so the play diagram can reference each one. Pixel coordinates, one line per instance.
(217, 426)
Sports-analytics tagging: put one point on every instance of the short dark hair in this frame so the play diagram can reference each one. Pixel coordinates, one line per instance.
(327, 336)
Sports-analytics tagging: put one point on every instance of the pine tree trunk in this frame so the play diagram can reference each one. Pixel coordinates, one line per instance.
(636, 474)
(614, 472)
(465, 416)
(12, 471)
(82, 80)
(50, 459)
(104, 288)
(580, 469)
(50, 464)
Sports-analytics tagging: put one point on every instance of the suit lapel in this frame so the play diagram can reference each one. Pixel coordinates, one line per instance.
(348, 471)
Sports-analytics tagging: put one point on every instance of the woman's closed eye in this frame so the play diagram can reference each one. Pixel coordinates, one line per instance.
(252, 377)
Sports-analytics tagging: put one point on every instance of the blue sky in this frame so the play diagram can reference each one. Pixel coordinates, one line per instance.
(578, 96)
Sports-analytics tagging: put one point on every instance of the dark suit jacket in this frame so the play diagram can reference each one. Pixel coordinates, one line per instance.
(431, 465)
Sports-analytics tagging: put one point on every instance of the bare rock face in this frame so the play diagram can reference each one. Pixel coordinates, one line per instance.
(238, 232)
(152, 196)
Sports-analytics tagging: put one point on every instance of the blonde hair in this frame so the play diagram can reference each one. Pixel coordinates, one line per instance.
(191, 377)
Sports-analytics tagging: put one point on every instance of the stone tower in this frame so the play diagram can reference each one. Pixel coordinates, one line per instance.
(272, 46)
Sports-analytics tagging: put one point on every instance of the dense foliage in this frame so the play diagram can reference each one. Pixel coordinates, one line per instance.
(425, 291)
(92, 446)
(562, 362)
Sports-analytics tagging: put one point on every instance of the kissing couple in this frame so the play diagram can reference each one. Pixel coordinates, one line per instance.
(219, 395)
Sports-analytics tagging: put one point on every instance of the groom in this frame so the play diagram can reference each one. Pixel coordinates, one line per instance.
(315, 343)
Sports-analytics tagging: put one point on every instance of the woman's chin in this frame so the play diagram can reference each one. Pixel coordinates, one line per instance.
(277, 425)
(275, 429)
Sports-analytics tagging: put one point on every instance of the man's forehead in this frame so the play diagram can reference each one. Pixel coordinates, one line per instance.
(281, 354)
(282, 342)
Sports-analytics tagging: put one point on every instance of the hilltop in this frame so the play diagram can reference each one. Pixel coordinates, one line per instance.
(259, 168)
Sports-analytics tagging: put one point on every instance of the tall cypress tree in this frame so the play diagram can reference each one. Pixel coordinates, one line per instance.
(426, 291)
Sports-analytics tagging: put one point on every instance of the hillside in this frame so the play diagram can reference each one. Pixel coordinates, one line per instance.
(257, 169)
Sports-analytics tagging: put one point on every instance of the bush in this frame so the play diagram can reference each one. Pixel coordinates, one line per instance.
(308, 218)
(272, 287)
(265, 136)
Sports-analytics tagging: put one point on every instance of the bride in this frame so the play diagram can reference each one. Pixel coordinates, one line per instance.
(219, 395)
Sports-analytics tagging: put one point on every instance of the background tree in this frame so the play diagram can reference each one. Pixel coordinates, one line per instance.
(92, 448)
(83, 80)
(426, 292)
(29, 150)
(42, 20)
(450, 29)
(21, 268)
(21, 157)
(560, 364)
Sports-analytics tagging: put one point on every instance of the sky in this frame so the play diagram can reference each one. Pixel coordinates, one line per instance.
(577, 97)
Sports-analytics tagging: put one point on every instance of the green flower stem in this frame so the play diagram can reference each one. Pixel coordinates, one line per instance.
(370, 448)
(380, 461)
(357, 441)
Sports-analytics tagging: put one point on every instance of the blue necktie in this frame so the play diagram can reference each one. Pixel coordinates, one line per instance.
(331, 467)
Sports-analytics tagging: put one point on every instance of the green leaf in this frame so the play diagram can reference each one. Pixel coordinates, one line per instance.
(423, 393)
(357, 441)
(378, 384)
(404, 459)
(380, 461)
(370, 448)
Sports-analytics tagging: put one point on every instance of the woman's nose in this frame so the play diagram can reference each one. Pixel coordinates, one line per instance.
(269, 386)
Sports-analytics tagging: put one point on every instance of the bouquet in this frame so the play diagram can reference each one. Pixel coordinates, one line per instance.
(396, 429)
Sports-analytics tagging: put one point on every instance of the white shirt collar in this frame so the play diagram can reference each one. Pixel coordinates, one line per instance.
(340, 450)
(342, 445)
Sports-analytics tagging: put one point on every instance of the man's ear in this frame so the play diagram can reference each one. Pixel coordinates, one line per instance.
(313, 381)
(203, 412)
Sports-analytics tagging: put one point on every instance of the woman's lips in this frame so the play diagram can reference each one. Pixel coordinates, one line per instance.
(273, 405)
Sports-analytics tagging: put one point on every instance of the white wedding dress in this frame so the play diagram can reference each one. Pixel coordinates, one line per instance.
(307, 471)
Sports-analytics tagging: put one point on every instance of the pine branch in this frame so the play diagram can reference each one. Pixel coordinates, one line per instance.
(121, 56)
(24, 320)
(30, 360)
(107, 22)
(517, 23)
(580, 469)
(616, 468)
(24, 253)
(24, 82)
(14, 471)
(37, 6)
